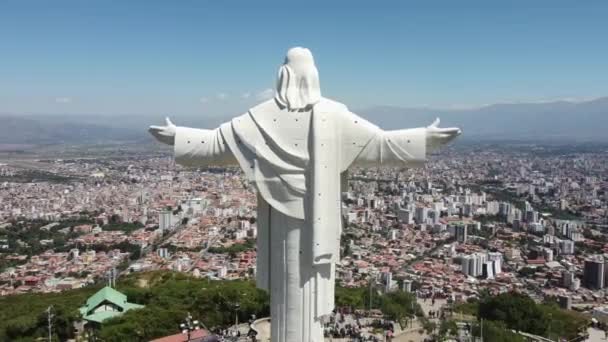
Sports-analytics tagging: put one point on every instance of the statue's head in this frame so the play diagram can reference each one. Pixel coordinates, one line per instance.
(298, 80)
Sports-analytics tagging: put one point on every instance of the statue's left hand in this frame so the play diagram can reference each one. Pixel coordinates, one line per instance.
(437, 137)
(164, 134)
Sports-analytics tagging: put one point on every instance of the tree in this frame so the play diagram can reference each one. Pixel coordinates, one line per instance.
(350, 297)
(563, 323)
(448, 328)
(398, 306)
(168, 297)
(496, 332)
(526, 271)
(519, 312)
(516, 310)
(429, 326)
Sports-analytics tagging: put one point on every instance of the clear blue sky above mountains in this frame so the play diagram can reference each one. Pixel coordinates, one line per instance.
(211, 57)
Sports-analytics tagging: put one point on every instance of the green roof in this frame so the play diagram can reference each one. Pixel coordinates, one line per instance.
(102, 316)
(107, 294)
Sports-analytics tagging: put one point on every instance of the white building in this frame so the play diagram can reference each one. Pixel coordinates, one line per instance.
(404, 216)
(421, 215)
(165, 219)
(481, 264)
(460, 232)
(566, 247)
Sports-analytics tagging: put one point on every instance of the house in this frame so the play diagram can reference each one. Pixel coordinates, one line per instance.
(105, 304)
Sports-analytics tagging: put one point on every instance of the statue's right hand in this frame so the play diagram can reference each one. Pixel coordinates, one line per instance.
(164, 134)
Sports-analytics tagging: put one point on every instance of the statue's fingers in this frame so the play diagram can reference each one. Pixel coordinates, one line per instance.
(168, 121)
(451, 130)
(435, 123)
(159, 131)
(164, 133)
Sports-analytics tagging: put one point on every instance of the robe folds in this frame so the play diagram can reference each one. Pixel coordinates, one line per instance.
(298, 161)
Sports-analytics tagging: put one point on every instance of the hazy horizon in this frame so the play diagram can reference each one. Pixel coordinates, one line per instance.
(68, 57)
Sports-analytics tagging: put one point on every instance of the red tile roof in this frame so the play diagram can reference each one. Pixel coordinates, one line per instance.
(196, 335)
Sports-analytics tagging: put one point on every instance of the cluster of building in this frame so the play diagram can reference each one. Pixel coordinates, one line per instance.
(485, 265)
(502, 219)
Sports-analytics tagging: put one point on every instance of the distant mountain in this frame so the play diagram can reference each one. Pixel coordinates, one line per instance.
(38, 130)
(87, 129)
(521, 121)
(550, 121)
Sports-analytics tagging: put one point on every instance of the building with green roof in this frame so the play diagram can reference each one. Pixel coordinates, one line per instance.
(105, 304)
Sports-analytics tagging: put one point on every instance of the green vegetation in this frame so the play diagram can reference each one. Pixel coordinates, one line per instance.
(125, 246)
(24, 237)
(234, 249)
(563, 323)
(23, 317)
(448, 328)
(496, 332)
(471, 307)
(489, 219)
(397, 306)
(519, 312)
(6, 263)
(37, 176)
(514, 311)
(526, 271)
(29, 238)
(504, 195)
(428, 326)
(125, 227)
(168, 298)
(598, 237)
(559, 214)
(353, 297)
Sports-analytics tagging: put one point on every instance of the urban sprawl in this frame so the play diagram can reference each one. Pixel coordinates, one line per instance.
(526, 218)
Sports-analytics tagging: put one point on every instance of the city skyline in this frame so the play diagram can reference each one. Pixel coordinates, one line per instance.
(304, 215)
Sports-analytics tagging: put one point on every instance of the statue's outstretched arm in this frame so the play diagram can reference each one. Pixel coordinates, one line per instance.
(405, 147)
(195, 147)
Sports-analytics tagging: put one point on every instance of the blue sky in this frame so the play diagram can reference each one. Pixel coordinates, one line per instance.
(190, 57)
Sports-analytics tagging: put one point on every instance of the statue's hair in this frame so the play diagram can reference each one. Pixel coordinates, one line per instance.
(298, 80)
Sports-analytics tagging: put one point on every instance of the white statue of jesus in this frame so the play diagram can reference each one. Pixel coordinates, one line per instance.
(296, 149)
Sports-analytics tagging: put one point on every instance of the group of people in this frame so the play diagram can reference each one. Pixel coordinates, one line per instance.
(347, 331)
(222, 335)
(352, 326)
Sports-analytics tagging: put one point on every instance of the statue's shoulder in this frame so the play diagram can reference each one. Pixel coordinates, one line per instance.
(268, 106)
(329, 105)
(349, 121)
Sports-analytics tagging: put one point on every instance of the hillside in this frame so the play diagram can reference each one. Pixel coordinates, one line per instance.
(586, 121)
(167, 297)
(550, 121)
(51, 130)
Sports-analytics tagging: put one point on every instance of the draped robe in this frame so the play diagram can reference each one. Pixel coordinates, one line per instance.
(298, 161)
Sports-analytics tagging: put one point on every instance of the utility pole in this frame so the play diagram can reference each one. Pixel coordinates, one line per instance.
(413, 312)
(112, 277)
(50, 321)
(370, 293)
(550, 322)
(237, 306)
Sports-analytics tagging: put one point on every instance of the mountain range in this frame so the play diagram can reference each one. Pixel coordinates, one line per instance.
(547, 121)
